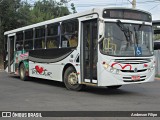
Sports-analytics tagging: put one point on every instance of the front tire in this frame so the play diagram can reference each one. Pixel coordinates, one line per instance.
(71, 79)
(114, 87)
(22, 72)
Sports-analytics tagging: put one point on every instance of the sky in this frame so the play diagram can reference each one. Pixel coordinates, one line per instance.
(152, 6)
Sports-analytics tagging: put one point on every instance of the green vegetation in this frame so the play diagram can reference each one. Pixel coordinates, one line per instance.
(17, 13)
(157, 75)
(157, 37)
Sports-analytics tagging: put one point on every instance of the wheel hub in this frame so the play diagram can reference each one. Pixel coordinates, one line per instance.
(22, 72)
(72, 79)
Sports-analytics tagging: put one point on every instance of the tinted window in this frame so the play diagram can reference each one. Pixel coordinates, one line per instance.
(29, 34)
(39, 43)
(39, 37)
(53, 29)
(19, 36)
(53, 35)
(70, 33)
(19, 41)
(40, 32)
(28, 43)
(5, 43)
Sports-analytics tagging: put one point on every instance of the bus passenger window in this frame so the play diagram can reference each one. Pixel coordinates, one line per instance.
(73, 42)
(39, 37)
(69, 33)
(53, 35)
(53, 42)
(28, 42)
(28, 45)
(19, 41)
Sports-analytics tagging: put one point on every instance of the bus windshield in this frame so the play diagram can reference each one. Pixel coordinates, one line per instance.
(122, 39)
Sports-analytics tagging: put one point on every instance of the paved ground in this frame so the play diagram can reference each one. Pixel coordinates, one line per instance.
(45, 95)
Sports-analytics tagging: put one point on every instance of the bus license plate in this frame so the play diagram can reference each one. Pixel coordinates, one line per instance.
(135, 77)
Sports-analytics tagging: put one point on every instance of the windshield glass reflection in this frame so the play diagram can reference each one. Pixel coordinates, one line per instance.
(127, 40)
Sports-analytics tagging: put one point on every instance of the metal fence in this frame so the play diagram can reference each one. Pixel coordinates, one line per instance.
(157, 55)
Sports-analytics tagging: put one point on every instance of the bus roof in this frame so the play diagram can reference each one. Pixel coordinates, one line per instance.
(67, 17)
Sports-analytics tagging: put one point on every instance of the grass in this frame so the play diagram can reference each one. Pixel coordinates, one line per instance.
(157, 75)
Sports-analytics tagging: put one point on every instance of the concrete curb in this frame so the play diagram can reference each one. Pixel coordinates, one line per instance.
(1, 70)
(156, 78)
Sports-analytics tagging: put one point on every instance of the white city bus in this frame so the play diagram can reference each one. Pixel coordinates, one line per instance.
(102, 47)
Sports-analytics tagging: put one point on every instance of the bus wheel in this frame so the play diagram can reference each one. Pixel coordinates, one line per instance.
(22, 72)
(114, 87)
(71, 79)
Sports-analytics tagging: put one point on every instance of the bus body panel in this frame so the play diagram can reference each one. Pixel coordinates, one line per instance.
(45, 71)
(112, 73)
(109, 71)
(53, 71)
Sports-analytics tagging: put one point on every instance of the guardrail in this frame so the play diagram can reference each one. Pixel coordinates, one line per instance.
(157, 55)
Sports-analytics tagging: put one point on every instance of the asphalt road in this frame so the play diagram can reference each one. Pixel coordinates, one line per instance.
(45, 95)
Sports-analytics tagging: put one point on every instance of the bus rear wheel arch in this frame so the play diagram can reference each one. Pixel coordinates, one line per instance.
(70, 79)
(22, 72)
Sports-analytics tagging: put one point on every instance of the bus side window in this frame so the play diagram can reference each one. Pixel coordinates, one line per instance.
(69, 33)
(39, 37)
(19, 41)
(28, 43)
(53, 35)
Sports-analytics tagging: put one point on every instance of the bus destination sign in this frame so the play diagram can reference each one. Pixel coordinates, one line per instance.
(127, 14)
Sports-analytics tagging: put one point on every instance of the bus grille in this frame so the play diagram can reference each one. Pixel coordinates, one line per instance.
(132, 71)
(129, 79)
(133, 61)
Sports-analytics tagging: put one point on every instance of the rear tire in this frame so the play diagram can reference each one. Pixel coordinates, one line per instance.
(71, 79)
(114, 87)
(22, 72)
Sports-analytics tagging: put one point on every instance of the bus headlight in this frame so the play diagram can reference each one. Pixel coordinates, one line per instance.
(153, 65)
(149, 69)
(112, 69)
(152, 68)
(117, 71)
(105, 66)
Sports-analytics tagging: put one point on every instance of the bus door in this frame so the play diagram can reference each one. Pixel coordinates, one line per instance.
(89, 51)
(5, 53)
(11, 48)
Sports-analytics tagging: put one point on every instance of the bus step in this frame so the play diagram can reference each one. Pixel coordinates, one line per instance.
(90, 84)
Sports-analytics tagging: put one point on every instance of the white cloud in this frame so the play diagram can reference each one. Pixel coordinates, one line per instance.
(152, 7)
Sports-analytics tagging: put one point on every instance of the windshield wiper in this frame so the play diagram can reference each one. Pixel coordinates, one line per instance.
(141, 25)
(136, 36)
(125, 30)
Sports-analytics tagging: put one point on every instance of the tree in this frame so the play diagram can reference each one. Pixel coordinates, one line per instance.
(8, 17)
(16, 13)
(23, 14)
(45, 10)
(73, 8)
